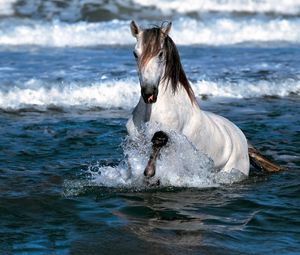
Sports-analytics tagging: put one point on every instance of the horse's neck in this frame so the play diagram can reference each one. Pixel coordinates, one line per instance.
(169, 101)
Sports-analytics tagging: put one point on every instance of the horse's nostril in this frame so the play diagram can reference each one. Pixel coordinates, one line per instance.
(150, 99)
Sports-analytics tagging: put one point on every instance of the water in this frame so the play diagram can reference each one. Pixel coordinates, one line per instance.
(68, 85)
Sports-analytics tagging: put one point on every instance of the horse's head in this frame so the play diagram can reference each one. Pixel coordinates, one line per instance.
(150, 54)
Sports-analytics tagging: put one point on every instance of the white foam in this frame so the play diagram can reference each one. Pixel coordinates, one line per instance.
(125, 93)
(179, 165)
(6, 7)
(290, 7)
(59, 34)
(76, 10)
(108, 94)
(224, 31)
(244, 89)
(186, 31)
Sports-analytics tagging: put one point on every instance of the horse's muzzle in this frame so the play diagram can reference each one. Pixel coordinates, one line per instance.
(149, 95)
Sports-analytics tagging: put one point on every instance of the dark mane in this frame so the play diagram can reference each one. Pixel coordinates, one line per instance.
(174, 73)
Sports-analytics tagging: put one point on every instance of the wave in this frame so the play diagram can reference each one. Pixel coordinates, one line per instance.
(185, 31)
(59, 34)
(6, 7)
(245, 89)
(124, 94)
(102, 10)
(289, 7)
(112, 94)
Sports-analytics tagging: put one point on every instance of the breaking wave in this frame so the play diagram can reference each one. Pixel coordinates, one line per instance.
(125, 93)
(288, 7)
(186, 31)
(100, 10)
(82, 23)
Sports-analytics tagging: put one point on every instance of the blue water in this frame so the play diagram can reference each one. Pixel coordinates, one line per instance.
(63, 112)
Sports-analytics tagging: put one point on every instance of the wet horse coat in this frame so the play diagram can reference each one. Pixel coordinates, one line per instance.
(167, 100)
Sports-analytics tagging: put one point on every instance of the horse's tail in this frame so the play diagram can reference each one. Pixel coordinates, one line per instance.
(261, 162)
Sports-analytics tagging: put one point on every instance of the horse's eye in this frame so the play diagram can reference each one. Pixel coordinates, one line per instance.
(160, 55)
(135, 55)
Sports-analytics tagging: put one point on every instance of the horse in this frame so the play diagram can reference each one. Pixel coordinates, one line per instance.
(167, 99)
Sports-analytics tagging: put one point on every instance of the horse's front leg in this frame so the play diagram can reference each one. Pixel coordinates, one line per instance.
(158, 140)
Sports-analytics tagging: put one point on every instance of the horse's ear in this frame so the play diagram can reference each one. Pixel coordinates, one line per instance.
(135, 30)
(166, 29)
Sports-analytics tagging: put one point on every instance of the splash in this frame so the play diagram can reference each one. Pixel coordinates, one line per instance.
(180, 165)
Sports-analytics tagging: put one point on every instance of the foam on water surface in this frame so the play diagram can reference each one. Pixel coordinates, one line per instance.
(185, 31)
(125, 93)
(74, 10)
(179, 164)
(6, 7)
(291, 7)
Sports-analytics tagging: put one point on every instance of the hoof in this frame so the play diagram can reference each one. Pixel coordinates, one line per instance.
(149, 171)
(160, 139)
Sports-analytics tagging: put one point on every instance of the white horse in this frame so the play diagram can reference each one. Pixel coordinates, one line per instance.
(167, 99)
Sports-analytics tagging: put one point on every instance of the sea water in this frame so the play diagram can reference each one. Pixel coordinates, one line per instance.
(71, 180)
